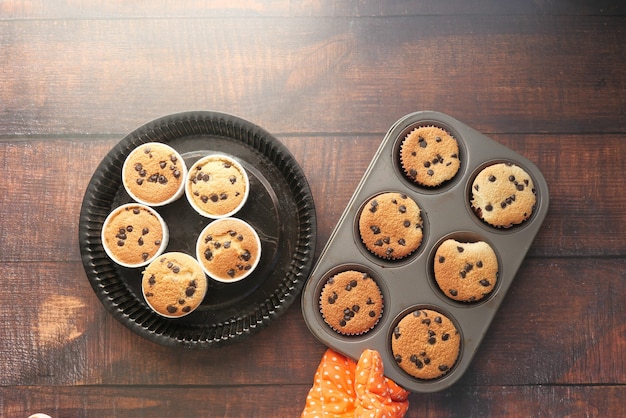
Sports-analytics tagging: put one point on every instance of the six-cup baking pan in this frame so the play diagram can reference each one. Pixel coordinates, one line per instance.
(408, 284)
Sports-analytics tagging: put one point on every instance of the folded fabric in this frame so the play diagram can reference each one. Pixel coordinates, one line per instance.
(343, 388)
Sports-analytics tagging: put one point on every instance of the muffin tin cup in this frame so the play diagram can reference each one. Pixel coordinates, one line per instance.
(188, 192)
(171, 199)
(409, 283)
(164, 240)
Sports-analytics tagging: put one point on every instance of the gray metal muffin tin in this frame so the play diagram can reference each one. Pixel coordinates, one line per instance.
(408, 284)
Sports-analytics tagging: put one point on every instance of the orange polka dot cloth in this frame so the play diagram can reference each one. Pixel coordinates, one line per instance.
(343, 388)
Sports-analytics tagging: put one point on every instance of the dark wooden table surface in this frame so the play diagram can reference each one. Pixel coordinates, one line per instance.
(328, 78)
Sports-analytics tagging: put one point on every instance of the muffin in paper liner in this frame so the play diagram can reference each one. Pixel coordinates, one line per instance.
(154, 174)
(351, 302)
(465, 271)
(503, 195)
(429, 156)
(217, 186)
(228, 250)
(426, 344)
(134, 234)
(174, 284)
(391, 225)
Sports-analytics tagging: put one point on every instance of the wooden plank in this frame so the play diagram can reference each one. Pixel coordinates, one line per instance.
(32, 9)
(587, 213)
(513, 74)
(520, 401)
(67, 338)
(265, 401)
(561, 322)
(194, 401)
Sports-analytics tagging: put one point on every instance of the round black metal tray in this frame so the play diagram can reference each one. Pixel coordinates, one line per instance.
(280, 207)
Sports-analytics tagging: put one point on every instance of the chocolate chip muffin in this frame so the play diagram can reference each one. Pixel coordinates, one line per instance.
(174, 284)
(154, 174)
(430, 156)
(426, 344)
(228, 249)
(465, 271)
(503, 195)
(217, 186)
(351, 302)
(390, 225)
(134, 234)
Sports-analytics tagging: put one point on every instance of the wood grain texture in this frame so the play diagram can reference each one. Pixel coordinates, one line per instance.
(597, 228)
(561, 322)
(255, 401)
(511, 74)
(328, 78)
(33, 9)
(236, 401)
